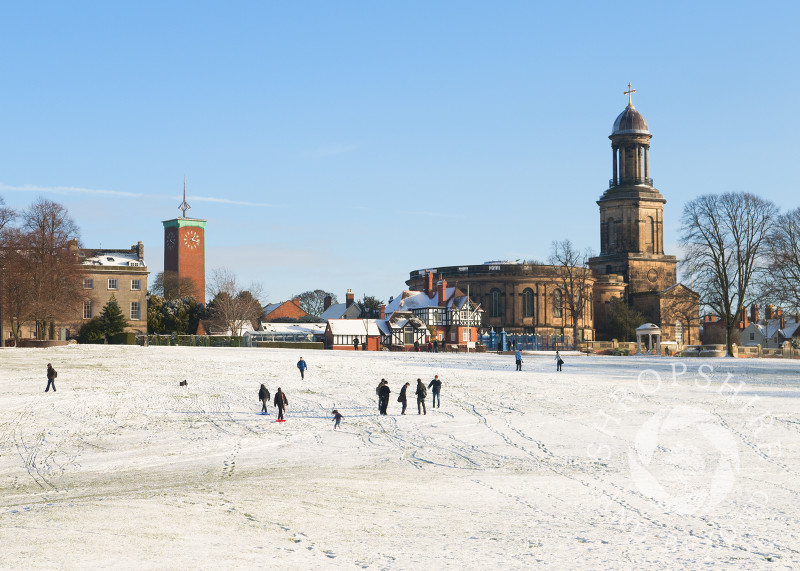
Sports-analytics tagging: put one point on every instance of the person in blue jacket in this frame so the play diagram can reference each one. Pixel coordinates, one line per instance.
(302, 365)
(518, 357)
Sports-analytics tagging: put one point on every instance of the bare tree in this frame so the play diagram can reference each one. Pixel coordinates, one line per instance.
(232, 307)
(781, 281)
(724, 237)
(313, 302)
(6, 216)
(170, 285)
(55, 289)
(575, 277)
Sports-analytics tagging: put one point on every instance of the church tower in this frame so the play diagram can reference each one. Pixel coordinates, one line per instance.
(632, 213)
(185, 248)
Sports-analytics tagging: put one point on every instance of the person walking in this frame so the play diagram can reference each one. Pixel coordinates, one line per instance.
(355, 343)
(263, 396)
(421, 393)
(302, 365)
(518, 357)
(337, 418)
(51, 378)
(436, 387)
(559, 361)
(384, 393)
(402, 399)
(281, 403)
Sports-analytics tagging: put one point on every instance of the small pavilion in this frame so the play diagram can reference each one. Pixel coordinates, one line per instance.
(652, 332)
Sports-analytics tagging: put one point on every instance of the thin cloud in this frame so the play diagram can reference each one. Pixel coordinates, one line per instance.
(122, 193)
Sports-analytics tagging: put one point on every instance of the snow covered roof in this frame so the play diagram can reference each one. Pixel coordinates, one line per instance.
(354, 327)
(114, 259)
(410, 300)
(293, 328)
(339, 310)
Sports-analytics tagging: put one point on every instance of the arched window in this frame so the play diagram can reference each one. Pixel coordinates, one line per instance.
(527, 303)
(495, 303)
(557, 303)
(679, 333)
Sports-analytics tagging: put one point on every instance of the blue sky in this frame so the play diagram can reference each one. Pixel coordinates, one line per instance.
(341, 145)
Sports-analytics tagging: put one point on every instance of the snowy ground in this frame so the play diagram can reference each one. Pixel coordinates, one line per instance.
(613, 463)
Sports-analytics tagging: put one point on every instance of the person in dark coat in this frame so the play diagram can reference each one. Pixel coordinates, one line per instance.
(378, 392)
(421, 393)
(435, 345)
(281, 403)
(51, 378)
(518, 357)
(384, 393)
(263, 396)
(559, 361)
(402, 399)
(302, 365)
(337, 418)
(355, 344)
(436, 387)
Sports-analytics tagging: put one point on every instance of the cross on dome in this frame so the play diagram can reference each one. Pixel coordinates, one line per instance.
(629, 93)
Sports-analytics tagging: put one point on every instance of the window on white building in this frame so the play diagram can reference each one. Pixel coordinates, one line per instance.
(112, 284)
(136, 285)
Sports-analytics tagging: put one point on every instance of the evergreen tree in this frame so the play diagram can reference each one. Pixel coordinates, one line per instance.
(624, 320)
(112, 319)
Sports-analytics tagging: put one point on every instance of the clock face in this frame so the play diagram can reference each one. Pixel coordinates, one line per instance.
(191, 239)
(172, 240)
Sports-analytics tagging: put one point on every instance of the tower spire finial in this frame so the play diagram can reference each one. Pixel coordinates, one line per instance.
(629, 93)
(184, 206)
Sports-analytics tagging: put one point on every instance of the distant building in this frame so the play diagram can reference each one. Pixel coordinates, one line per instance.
(283, 309)
(347, 310)
(448, 314)
(772, 331)
(114, 272)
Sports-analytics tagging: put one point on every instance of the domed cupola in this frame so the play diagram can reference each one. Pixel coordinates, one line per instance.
(630, 122)
(630, 142)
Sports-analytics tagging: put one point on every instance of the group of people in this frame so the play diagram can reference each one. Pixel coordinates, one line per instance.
(280, 401)
(383, 391)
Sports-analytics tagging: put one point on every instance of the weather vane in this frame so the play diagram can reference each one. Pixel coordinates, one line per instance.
(628, 93)
(184, 206)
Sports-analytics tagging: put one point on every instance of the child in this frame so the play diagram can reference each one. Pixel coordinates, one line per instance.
(337, 417)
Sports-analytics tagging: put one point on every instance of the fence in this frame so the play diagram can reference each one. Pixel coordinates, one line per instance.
(533, 342)
(189, 340)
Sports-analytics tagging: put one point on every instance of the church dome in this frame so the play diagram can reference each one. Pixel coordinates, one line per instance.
(630, 122)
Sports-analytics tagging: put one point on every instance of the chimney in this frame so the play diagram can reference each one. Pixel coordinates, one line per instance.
(743, 317)
(382, 314)
(349, 298)
(754, 313)
(429, 284)
(442, 291)
(783, 320)
(327, 303)
(770, 311)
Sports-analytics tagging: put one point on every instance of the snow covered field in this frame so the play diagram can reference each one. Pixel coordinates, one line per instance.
(613, 463)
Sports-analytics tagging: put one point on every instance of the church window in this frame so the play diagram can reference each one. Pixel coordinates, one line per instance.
(679, 333)
(557, 303)
(527, 303)
(495, 303)
(650, 234)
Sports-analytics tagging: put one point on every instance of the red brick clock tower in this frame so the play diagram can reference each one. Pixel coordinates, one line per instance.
(185, 248)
